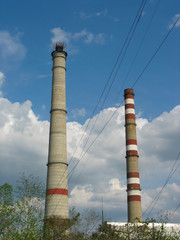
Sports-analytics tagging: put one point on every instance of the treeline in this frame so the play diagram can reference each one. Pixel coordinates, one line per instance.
(22, 218)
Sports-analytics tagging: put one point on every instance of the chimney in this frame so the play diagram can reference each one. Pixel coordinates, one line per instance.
(56, 204)
(132, 166)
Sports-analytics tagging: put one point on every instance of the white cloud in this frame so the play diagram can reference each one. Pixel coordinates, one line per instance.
(83, 15)
(103, 167)
(60, 35)
(78, 113)
(86, 193)
(86, 196)
(166, 202)
(100, 38)
(2, 79)
(44, 76)
(99, 14)
(43, 107)
(102, 13)
(116, 185)
(23, 140)
(81, 34)
(102, 171)
(87, 36)
(11, 49)
(163, 132)
(174, 19)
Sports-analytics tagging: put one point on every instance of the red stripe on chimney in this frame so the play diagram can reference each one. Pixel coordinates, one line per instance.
(129, 96)
(57, 191)
(131, 141)
(134, 198)
(129, 105)
(130, 116)
(131, 153)
(132, 175)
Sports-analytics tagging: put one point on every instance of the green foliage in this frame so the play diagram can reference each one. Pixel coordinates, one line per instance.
(85, 223)
(21, 209)
(6, 200)
(78, 227)
(134, 231)
(6, 194)
(22, 218)
(29, 187)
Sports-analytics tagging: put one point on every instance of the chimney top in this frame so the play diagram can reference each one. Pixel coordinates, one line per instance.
(128, 91)
(59, 47)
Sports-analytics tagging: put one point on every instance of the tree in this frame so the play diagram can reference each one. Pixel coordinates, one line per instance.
(22, 218)
(22, 209)
(85, 223)
(6, 210)
(22, 214)
(78, 227)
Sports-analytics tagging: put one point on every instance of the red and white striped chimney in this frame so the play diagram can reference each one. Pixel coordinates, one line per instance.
(133, 183)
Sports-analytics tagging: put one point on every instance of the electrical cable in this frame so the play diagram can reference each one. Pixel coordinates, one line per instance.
(121, 62)
(157, 50)
(173, 170)
(138, 50)
(174, 211)
(135, 22)
(125, 43)
(140, 75)
(134, 25)
(97, 136)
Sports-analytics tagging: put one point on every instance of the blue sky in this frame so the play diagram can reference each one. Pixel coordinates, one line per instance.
(94, 32)
(90, 61)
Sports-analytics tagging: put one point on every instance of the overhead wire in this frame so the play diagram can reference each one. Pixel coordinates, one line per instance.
(140, 45)
(135, 82)
(140, 75)
(95, 139)
(120, 155)
(174, 211)
(129, 35)
(173, 170)
(125, 45)
(135, 22)
(157, 50)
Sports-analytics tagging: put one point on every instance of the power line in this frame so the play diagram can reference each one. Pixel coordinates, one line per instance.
(95, 139)
(125, 45)
(129, 35)
(140, 75)
(157, 50)
(140, 45)
(122, 60)
(173, 170)
(121, 155)
(147, 65)
(174, 210)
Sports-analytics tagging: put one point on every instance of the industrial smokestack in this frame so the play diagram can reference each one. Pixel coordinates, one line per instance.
(56, 206)
(132, 166)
